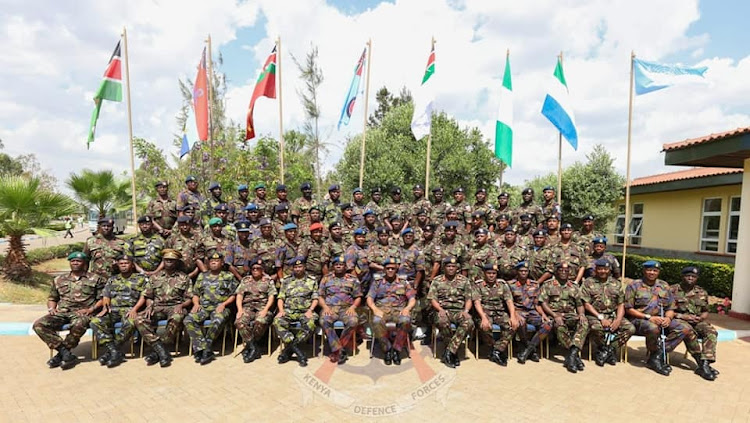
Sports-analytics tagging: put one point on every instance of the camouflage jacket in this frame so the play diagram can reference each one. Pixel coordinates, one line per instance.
(525, 295)
(551, 208)
(213, 289)
(301, 209)
(209, 243)
(331, 211)
(190, 198)
(377, 208)
(603, 296)
(146, 250)
(164, 212)
(73, 293)
(286, 252)
(694, 301)
(541, 260)
(507, 258)
(314, 252)
(236, 211)
(477, 257)
(298, 293)
(647, 299)
(331, 249)
(561, 298)
(103, 253)
(391, 295)
(412, 262)
(339, 293)
(438, 211)
(494, 297)
(377, 252)
(124, 292)
(452, 294)
(255, 293)
(265, 248)
(571, 254)
(537, 215)
(191, 248)
(464, 211)
(263, 210)
(168, 289)
(237, 254)
(585, 240)
(443, 248)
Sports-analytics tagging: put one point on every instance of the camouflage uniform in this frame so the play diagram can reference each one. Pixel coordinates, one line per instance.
(439, 210)
(313, 251)
(614, 264)
(212, 290)
(255, 294)
(377, 253)
(237, 254)
(298, 295)
(208, 207)
(166, 291)
(553, 238)
(401, 209)
(123, 294)
(442, 249)
(194, 199)
(525, 299)
(464, 211)
(347, 231)
(146, 251)
(494, 299)
(452, 295)
(564, 299)
(695, 302)
(210, 242)
(585, 241)
(71, 294)
(331, 211)
(536, 213)
(265, 248)
(507, 258)
(605, 297)
(541, 261)
(339, 294)
(647, 299)
(272, 203)
(572, 255)
(488, 210)
(301, 209)
(421, 204)
(286, 252)
(164, 212)
(477, 257)
(190, 247)
(103, 253)
(358, 211)
(263, 208)
(330, 249)
(391, 297)
(375, 207)
(551, 208)
(236, 207)
(358, 264)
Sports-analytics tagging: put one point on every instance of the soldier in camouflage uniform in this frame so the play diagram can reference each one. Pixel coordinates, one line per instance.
(331, 209)
(561, 300)
(376, 198)
(370, 223)
(503, 205)
(281, 218)
(260, 200)
(289, 249)
(265, 247)
(312, 249)
(103, 249)
(339, 295)
(397, 207)
(190, 246)
(391, 299)
(482, 205)
(419, 203)
(301, 207)
(451, 295)
(348, 225)
(494, 306)
(439, 206)
(502, 222)
(253, 216)
(146, 247)
(237, 205)
(333, 246)
(72, 300)
(528, 312)
(358, 206)
(212, 200)
(525, 231)
(462, 207)
(394, 233)
(477, 222)
(280, 200)
(550, 206)
(163, 209)
(356, 256)
(212, 293)
(566, 251)
(378, 252)
(315, 217)
(527, 206)
(448, 246)
(297, 300)
(120, 295)
(541, 260)
(599, 251)
(237, 253)
(215, 239)
(191, 197)
(256, 294)
(221, 211)
(421, 219)
(167, 296)
(585, 237)
(480, 253)
(604, 302)
(553, 231)
(691, 306)
(650, 305)
(509, 253)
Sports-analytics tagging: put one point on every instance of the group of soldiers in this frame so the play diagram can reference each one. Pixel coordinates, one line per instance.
(398, 268)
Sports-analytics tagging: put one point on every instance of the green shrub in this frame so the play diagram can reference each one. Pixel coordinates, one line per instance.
(48, 253)
(716, 278)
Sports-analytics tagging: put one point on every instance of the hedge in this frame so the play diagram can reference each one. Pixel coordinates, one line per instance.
(716, 278)
(39, 255)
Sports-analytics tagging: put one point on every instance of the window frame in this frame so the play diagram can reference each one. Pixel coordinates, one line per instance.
(632, 234)
(704, 215)
(730, 215)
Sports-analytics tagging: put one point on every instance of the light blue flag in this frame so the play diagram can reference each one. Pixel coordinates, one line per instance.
(185, 149)
(650, 76)
(351, 96)
(557, 107)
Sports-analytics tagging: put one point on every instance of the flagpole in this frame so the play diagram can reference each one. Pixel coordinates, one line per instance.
(209, 84)
(281, 113)
(130, 124)
(429, 142)
(503, 165)
(364, 128)
(559, 157)
(626, 226)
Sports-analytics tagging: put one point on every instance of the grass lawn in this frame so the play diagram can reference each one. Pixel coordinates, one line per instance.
(35, 291)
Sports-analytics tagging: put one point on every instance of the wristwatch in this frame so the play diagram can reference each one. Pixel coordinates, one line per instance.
(600, 316)
(646, 316)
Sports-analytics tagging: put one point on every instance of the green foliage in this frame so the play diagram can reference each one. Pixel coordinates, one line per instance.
(716, 278)
(100, 190)
(25, 206)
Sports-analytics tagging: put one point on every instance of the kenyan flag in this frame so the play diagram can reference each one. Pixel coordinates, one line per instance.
(110, 89)
(265, 86)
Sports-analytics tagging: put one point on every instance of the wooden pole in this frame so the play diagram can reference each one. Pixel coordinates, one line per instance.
(626, 228)
(364, 128)
(281, 112)
(130, 124)
(559, 158)
(210, 83)
(429, 143)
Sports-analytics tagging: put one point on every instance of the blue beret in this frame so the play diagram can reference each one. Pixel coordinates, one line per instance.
(257, 261)
(601, 263)
(280, 187)
(305, 185)
(191, 178)
(489, 266)
(690, 270)
(407, 231)
(360, 231)
(214, 185)
(250, 207)
(368, 211)
(521, 264)
(337, 259)
(221, 207)
(600, 240)
(289, 227)
(243, 187)
(334, 187)
(651, 264)
(242, 226)
(297, 260)
(391, 260)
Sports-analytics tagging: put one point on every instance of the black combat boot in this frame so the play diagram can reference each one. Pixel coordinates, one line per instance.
(69, 360)
(115, 356)
(55, 361)
(248, 353)
(714, 371)
(503, 358)
(285, 354)
(600, 357)
(577, 358)
(495, 356)
(165, 360)
(448, 359)
(104, 358)
(396, 357)
(611, 355)
(301, 357)
(343, 357)
(656, 363)
(207, 356)
(523, 355)
(570, 363)
(197, 354)
(703, 370)
(152, 358)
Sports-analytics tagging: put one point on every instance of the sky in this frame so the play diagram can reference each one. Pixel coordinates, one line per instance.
(54, 55)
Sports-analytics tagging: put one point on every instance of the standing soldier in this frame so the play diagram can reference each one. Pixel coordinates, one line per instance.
(120, 295)
(550, 206)
(376, 198)
(586, 235)
(191, 197)
(503, 205)
(357, 262)
(339, 295)
(370, 222)
(462, 206)
(691, 306)
(599, 251)
(103, 249)
(333, 246)
(145, 248)
(167, 297)
(358, 206)
(448, 246)
(603, 300)
(297, 300)
(289, 249)
(212, 293)
(509, 253)
(481, 205)
(397, 208)
(568, 252)
(253, 216)
(528, 312)
(260, 200)
(391, 300)
(163, 209)
(348, 224)
(439, 206)
(188, 243)
(525, 231)
(561, 300)
(281, 199)
(331, 210)
(281, 218)
(451, 295)
(381, 250)
(215, 239)
(237, 206)
(494, 305)
(527, 206)
(72, 300)
(212, 200)
(312, 249)
(255, 296)
(502, 222)
(419, 203)
(221, 211)
(237, 254)
(265, 247)
(480, 253)
(301, 206)
(541, 261)
(553, 231)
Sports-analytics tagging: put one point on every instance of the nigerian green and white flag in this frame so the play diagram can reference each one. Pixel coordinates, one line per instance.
(110, 89)
(504, 123)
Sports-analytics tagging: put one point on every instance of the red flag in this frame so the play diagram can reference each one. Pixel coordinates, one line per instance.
(200, 99)
(265, 86)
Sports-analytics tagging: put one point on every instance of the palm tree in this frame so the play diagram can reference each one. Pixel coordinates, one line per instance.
(26, 207)
(99, 190)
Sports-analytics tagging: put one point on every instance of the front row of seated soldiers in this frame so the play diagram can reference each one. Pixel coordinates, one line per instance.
(664, 315)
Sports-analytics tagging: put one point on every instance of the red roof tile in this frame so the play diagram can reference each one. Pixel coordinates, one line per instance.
(694, 173)
(705, 139)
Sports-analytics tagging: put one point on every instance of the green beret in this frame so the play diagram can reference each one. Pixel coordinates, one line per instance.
(78, 255)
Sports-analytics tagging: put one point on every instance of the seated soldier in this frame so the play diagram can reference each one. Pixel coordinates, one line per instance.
(339, 296)
(167, 297)
(121, 293)
(297, 300)
(212, 293)
(528, 312)
(451, 295)
(561, 300)
(72, 300)
(255, 296)
(391, 299)
(494, 305)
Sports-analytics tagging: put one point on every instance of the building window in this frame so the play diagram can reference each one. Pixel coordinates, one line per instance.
(634, 229)
(711, 221)
(734, 224)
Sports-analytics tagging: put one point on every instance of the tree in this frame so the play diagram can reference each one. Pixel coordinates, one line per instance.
(26, 206)
(312, 75)
(100, 190)
(386, 101)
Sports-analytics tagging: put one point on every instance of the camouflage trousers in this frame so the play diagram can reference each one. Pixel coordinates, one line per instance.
(382, 332)
(147, 326)
(572, 333)
(350, 325)
(464, 326)
(531, 317)
(677, 331)
(251, 326)
(283, 323)
(104, 327)
(622, 334)
(708, 334)
(46, 327)
(203, 336)
(506, 332)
